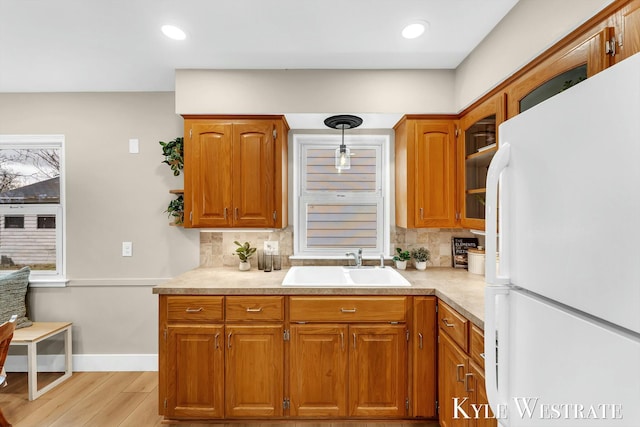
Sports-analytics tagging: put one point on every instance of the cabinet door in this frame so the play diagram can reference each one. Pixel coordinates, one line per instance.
(424, 357)
(208, 175)
(195, 384)
(318, 375)
(254, 368)
(476, 387)
(253, 174)
(559, 72)
(630, 30)
(434, 174)
(377, 371)
(477, 144)
(452, 368)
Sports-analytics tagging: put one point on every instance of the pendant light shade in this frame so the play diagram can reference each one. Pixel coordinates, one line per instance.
(343, 154)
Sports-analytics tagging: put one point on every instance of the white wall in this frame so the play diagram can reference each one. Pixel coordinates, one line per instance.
(529, 29)
(111, 196)
(313, 91)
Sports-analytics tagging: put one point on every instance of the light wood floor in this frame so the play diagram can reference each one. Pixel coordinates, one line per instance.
(111, 399)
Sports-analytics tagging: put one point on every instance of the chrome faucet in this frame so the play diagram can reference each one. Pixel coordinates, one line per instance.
(357, 257)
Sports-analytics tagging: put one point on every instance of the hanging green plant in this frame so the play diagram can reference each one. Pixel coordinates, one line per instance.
(176, 210)
(173, 152)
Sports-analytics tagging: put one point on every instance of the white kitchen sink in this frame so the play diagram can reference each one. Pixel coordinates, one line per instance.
(343, 277)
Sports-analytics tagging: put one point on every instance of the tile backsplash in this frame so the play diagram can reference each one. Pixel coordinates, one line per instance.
(217, 248)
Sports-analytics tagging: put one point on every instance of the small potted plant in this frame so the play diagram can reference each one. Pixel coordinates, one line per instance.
(173, 152)
(420, 257)
(401, 258)
(244, 252)
(176, 210)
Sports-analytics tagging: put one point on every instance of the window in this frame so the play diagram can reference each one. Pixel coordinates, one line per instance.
(46, 221)
(32, 205)
(14, 221)
(338, 211)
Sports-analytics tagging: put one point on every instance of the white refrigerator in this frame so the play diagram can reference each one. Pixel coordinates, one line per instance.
(562, 310)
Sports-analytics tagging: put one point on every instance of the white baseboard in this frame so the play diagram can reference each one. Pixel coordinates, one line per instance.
(87, 363)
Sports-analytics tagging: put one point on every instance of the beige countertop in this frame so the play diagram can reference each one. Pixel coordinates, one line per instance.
(458, 288)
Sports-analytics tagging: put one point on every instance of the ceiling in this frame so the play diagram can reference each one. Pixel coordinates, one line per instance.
(117, 45)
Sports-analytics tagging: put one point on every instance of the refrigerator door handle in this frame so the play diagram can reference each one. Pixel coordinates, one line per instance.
(499, 163)
(496, 345)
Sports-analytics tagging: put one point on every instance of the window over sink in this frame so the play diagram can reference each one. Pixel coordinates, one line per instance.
(336, 211)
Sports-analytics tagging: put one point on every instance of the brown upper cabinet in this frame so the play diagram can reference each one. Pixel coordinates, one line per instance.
(235, 171)
(477, 144)
(561, 70)
(425, 172)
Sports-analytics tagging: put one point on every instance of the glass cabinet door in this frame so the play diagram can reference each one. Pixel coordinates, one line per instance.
(480, 146)
(477, 144)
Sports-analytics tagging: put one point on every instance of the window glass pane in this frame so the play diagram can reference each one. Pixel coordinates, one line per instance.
(29, 244)
(553, 87)
(322, 175)
(342, 225)
(29, 176)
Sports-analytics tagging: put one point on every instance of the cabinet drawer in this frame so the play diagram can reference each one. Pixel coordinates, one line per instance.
(476, 345)
(453, 324)
(254, 308)
(348, 309)
(194, 308)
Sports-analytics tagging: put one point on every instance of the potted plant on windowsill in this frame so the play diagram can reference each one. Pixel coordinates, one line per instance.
(401, 258)
(244, 252)
(420, 256)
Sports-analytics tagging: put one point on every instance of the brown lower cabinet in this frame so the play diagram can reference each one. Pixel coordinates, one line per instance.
(461, 386)
(348, 370)
(315, 357)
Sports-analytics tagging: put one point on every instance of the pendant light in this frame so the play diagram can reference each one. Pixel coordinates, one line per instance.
(344, 121)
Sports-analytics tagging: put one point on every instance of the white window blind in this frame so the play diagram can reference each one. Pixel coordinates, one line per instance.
(340, 210)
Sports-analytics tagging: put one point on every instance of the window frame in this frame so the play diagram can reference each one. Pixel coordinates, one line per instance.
(43, 278)
(382, 142)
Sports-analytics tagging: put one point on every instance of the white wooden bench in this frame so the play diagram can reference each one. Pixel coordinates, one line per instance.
(30, 337)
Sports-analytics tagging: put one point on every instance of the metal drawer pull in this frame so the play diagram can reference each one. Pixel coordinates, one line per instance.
(421, 213)
(215, 341)
(342, 341)
(194, 310)
(482, 355)
(419, 340)
(229, 340)
(466, 382)
(447, 324)
(254, 310)
(225, 213)
(348, 310)
(354, 341)
(458, 377)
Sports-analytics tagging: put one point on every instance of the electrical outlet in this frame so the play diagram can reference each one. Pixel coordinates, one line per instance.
(127, 248)
(271, 246)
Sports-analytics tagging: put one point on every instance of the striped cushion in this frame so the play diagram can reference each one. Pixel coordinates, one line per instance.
(13, 292)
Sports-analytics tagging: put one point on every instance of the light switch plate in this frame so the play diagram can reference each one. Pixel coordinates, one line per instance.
(127, 248)
(271, 246)
(134, 146)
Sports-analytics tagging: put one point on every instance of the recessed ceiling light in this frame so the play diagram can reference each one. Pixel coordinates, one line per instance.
(415, 29)
(173, 32)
